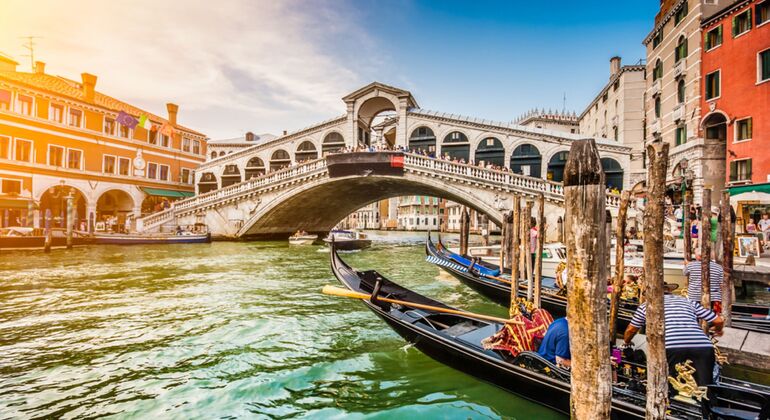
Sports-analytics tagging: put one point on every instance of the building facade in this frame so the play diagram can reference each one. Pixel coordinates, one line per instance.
(550, 120)
(673, 97)
(617, 113)
(59, 137)
(420, 213)
(735, 99)
(222, 147)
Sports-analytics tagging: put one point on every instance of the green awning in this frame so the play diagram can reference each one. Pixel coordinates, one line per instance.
(10, 203)
(741, 189)
(167, 193)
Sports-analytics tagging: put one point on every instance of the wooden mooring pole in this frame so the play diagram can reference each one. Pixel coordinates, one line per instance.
(48, 234)
(509, 248)
(504, 241)
(539, 256)
(617, 281)
(526, 249)
(584, 201)
(514, 253)
(464, 230)
(705, 253)
(728, 236)
(70, 220)
(654, 214)
(687, 235)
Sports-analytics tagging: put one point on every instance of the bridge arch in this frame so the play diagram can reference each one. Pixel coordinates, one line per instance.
(255, 166)
(613, 173)
(556, 163)
(456, 145)
(423, 139)
(279, 159)
(490, 150)
(306, 151)
(333, 142)
(208, 182)
(230, 175)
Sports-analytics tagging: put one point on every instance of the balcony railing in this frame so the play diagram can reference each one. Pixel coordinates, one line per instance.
(680, 67)
(655, 126)
(678, 113)
(656, 87)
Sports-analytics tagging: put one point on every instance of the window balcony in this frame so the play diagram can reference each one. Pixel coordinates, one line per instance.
(679, 68)
(655, 126)
(656, 86)
(614, 120)
(678, 113)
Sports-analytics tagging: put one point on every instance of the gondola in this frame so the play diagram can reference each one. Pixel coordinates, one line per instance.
(455, 340)
(745, 316)
(151, 239)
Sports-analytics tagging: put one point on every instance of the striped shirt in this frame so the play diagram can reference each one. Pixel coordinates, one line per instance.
(681, 318)
(694, 275)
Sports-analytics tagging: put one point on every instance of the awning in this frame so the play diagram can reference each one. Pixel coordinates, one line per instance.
(754, 192)
(10, 203)
(742, 189)
(159, 192)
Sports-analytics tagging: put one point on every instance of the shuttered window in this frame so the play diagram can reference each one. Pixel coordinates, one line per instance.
(743, 129)
(764, 65)
(712, 85)
(740, 170)
(714, 38)
(742, 23)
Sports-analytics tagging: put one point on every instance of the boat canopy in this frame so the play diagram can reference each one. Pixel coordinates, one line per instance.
(159, 192)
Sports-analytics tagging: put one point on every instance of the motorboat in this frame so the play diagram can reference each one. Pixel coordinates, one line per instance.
(302, 238)
(348, 240)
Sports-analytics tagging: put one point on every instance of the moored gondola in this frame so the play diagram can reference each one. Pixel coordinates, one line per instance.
(455, 340)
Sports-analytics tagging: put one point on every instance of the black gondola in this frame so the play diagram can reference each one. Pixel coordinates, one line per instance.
(745, 316)
(455, 340)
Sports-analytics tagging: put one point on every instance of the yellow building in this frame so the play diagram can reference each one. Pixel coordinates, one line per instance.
(59, 137)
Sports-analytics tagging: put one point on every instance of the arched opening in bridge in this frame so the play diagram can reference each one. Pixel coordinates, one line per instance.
(370, 109)
(526, 160)
(254, 167)
(306, 151)
(279, 160)
(715, 126)
(332, 143)
(423, 140)
(456, 146)
(213, 155)
(491, 152)
(113, 207)
(556, 166)
(207, 183)
(231, 175)
(55, 200)
(613, 173)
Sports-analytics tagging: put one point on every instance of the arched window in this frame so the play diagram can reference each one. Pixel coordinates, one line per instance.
(231, 175)
(526, 160)
(422, 139)
(254, 167)
(556, 166)
(613, 173)
(332, 143)
(456, 146)
(680, 88)
(657, 71)
(681, 49)
(213, 155)
(657, 107)
(279, 159)
(207, 183)
(491, 151)
(306, 151)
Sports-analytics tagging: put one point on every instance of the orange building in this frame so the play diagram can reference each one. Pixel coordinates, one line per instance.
(59, 137)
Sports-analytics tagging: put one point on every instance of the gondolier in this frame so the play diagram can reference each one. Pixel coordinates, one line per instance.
(685, 340)
(692, 270)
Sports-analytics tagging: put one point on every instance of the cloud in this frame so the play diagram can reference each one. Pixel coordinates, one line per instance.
(270, 65)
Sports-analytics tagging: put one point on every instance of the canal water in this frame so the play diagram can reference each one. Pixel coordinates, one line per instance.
(229, 329)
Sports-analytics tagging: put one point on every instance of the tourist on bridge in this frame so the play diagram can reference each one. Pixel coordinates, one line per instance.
(685, 340)
(692, 270)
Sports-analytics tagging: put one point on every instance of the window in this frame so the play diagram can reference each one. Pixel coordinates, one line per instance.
(712, 85)
(11, 186)
(55, 155)
(75, 117)
(714, 38)
(108, 164)
(124, 131)
(124, 166)
(681, 135)
(165, 140)
(657, 71)
(24, 104)
(152, 137)
(109, 126)
(164, 170)
(185, 144)
(763, 70)
(763, 12)
(657, 107)
(187, 176)
(742, 23)
(657, 39)
(681, 49)
(680, 14)
(196, 147)
(74, 159)
(5, 147)
(680, 89)
(5, 100)
(740, 170)
(743, 129)
(152, 170)
(56, 113)
(616, 85)
(23, 150)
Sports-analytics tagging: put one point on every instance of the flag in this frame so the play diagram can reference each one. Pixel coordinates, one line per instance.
(125, 119)
(144, 122)
(167, 129)
(5, 96)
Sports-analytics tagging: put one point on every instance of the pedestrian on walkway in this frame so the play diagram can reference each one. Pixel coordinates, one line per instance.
(693, 272)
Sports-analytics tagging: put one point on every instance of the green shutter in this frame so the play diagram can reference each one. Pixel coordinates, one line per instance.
(748, 18)
(719, 35)
(735, 26)
(750, 135)
(765, 64)
(733, 171)
(707, 41)
(748, 169)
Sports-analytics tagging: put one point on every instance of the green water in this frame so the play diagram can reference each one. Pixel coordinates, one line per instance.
(236, 330)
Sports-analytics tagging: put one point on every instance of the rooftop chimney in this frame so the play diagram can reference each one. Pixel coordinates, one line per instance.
(285, 132)
(39, 67)
(172, 111)
(7, 63)
(614, 65)
(89, 86)
(249, 136)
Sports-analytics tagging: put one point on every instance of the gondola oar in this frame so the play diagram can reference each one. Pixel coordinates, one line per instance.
(337, 291)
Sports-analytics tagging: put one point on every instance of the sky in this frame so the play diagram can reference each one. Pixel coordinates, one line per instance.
(266, 66)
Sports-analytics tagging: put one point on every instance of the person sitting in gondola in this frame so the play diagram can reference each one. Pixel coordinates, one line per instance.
(555, 344)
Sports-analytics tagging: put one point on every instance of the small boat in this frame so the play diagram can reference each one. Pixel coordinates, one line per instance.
(348, 240)
(554, 253)
(455, 340)
(150, 239)
(302, 238)
(23, 238)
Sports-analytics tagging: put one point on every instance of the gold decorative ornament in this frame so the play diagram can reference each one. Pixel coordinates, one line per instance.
(687, 389)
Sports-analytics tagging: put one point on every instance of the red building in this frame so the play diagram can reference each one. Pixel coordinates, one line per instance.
(735, 99)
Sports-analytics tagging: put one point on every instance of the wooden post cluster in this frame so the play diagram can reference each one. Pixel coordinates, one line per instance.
(705, 241)
(485, 230)
(728, 236)
(465, 230)
(526, 251)
(509, 246)
(686, 235)
(584, 201)
(48, 235)
(514, 253)
(504, 232)
(30, 213)
(539, 256)
(654, 214)
(70, 220)
(617, 281)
